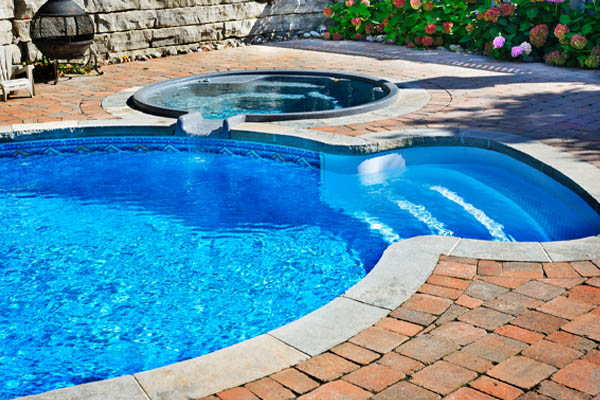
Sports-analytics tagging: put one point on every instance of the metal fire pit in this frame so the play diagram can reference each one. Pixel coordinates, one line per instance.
(62, 30)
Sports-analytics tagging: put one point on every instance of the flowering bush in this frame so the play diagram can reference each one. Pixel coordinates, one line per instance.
(528, 30)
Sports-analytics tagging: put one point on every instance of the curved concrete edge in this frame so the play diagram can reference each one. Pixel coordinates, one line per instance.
(223, 369)
(122, 388)
(402, 269)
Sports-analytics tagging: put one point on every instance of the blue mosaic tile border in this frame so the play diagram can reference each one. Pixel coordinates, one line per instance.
(91, 145)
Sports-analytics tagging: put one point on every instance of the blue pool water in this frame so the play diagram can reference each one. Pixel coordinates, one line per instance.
(114, 263)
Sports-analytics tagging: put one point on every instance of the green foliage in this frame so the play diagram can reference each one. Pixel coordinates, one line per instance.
(474, 24)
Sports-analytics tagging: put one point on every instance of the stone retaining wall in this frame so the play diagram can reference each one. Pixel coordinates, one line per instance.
(144, 27)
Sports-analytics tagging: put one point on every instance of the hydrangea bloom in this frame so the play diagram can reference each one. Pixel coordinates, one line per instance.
(357, 36)
(356, 22)
(399, 3)
(596, 50)
(380, 28)
(439, 41)
(578, 42)
(555, 58)
(427, 41)
(410, 45)
(428, 6)
(538, 35)
(327, 36)
(430, 29)
(366, 2)
(447, 27)
(498, 42)
(470, 28)
(415, 4)
(369, 29)
(516, 51)
(337, 36)
(561, 30)
(418, 40)
(592, 61)
(526, 48)
(328, 12)
(349, 3)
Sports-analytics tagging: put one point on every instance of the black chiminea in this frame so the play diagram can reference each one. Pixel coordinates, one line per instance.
(62, 30)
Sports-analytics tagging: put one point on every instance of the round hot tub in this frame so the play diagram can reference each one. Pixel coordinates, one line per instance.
(274, 95)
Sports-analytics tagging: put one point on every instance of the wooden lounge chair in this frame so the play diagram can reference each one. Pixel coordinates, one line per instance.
(8, 71)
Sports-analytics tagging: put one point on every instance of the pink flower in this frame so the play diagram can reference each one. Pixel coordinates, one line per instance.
(356, 22)
(538, 35)
(380, 28)
(366, 2)
(560, 31)
(428, 6)
(526, 48)
(430, 29)
(498, 42)
(369, 29)
(328, 12)
(399, 3)
(578, 42)
(410, 45)
(337, 36)
(427, 41)
(516, 51)
(418, 40)
(447, 27)
(349, 3)
(592, 61)
(415, 4)
(357, 36)
(555, 58)
(327, 36)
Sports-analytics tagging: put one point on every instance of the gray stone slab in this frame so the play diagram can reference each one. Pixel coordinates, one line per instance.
(329, 326)
(223, 369)
(500, 251)
(574, 250)
(122, 388)
(402, 269)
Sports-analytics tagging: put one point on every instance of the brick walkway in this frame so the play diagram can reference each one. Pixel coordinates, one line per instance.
(476, 330)
(554, 105)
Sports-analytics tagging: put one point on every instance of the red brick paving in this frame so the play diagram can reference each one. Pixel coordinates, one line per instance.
(449, 356)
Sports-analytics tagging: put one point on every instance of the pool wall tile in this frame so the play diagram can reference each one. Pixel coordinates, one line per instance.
(158, 143)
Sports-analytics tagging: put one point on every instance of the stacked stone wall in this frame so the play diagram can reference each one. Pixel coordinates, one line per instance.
(145, 27)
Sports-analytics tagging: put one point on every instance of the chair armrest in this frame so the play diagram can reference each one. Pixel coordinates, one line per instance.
(27, 69)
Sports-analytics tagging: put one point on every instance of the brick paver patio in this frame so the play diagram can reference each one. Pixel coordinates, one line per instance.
(477, 329)
(555, 105)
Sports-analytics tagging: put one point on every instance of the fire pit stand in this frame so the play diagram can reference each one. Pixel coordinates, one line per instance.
(62, 30)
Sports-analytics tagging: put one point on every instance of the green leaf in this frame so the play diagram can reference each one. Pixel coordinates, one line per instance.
(532, 12)
(588, 28)
(525, 26)
(565, 19)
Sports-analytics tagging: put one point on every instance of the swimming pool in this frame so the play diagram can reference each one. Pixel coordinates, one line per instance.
(272, 95)
(124, 254)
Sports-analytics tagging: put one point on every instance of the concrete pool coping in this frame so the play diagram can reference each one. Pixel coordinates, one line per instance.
(404, 266)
